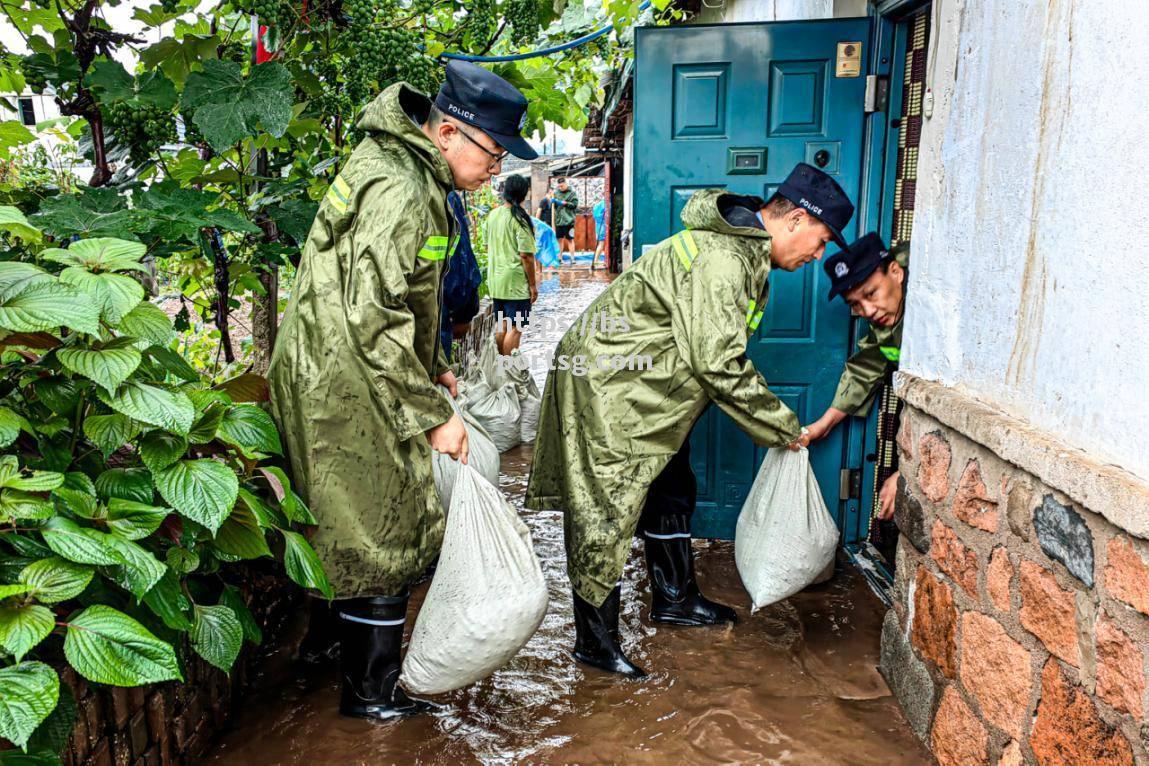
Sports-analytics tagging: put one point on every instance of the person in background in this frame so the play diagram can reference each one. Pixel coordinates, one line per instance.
(599, 212)
(461, 284)
(564, 206)
(511, 264)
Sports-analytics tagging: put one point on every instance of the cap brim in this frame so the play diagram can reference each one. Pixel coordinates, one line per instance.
(516, 145)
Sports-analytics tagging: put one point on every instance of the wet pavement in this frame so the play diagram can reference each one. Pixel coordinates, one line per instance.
(795, 683)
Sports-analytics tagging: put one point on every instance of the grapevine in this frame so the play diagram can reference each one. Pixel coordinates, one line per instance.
(523, 16)
(143, 128)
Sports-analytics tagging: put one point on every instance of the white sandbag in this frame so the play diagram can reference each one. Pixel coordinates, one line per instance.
(785, 537)
(529, 397)
(483, 456)
(488, 596)
(498, 413)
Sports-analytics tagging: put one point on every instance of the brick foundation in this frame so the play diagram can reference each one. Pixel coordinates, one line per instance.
(1020, 630)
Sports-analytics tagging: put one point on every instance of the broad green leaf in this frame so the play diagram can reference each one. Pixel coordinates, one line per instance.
(56, 579)
(13, 133)
(99, 254)
(11, 219)
(173, 363)
(10, 426)
(28, 693)
(79, 544)
(49, 306)
(23, 627)
(126, 483)
(132, 520)
(113, 83)
(79, 481)
(147, 322)
(59, 394)
(294, 217)
(302, 564)
(291, 503)
(93, 212)
(233, 599)
(203, 490)
(159, 449)
(241, 536)
(108, 366)
(229, 106)
(13, 589)
(178, 58)
(106, 646)
(115, 294)
(15, 504)
(204, 398)
(267, 516)
(140, 570)
(51, 736)
(250, 428)
(153, 405)
(204, 429)
(110, 432)
(216, 635)
(248, 387)
(182, 561)
(15, 276)
(76, 502)
(168, 602)
(37, 481)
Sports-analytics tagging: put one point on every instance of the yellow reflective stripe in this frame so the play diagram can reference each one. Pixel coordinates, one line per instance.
(339, 194)
(893, 353)
(684, 248)
(753, 318)
(435, 249)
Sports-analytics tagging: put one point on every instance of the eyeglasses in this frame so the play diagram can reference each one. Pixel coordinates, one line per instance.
(495, 158)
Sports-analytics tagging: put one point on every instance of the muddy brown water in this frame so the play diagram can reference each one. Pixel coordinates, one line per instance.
(795, 683)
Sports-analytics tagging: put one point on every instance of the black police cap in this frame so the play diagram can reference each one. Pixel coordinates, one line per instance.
(477, 97)
(821, 196)
(855, 264)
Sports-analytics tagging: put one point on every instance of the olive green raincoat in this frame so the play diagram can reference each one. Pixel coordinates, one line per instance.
(351, 376)
(567, 212)
(690, 305)
(877, 353)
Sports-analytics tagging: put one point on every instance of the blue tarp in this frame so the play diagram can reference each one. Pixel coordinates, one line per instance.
(546, 245)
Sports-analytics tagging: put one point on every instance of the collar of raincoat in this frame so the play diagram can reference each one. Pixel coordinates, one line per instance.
(400, 111)
(703, 212)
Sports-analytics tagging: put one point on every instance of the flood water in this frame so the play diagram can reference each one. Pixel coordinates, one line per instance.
(795, 683)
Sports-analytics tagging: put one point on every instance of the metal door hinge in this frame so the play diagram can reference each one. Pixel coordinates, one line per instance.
(877, 93)
(850, 484)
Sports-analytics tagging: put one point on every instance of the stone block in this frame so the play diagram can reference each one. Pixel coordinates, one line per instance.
(908, 677)
(101, 754)
(954, 558)
(935, 622)
(120, 706)
(1011, 755)
(1049, 612)
(1065, 537)
(1127, 572)
(934, 458)
(1019, 509)
(972, 503)
(905, 438)
(138, 732)
(911, 517)
(1120, 668)
(958, 738)
(1067, 728)
(995, 670)
(999, 578)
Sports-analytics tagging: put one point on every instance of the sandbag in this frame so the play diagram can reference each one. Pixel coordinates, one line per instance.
(530, 399)
(488, 596)
(498, 413)
(785, 537)
(483, 456)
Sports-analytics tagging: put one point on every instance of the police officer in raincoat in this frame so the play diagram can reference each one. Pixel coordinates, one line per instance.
(613, 444)
(354, 373)
(872, 279)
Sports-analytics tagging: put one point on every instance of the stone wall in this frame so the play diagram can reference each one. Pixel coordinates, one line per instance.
(1020, 626)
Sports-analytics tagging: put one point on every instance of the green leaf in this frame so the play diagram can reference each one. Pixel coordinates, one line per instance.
(108, 366)
(132, 520)
(59, 394)
(108, 647)
(302, 564)
(55, 579)
(240, 535)
(291, 503)
(10, 426)
(250, 428)
(113, 83)
(13, 134)
(15, 504)
(52, 735)
(13, 589)
(153, 405)
(115, 294)
(79, 544)
(173, 363)
(217, 635)
(159, 449)
(99, 255)
(294, 217)
(204, 429)
(49, 306)
(92, 213)
(267, 516)
(127, 484)
(38, 481)
(203, 490)
(35, 756)
(76, 503)
(140, 570)
(147, 322)
(168, 602)
(247, 387)
(23, 627)
(228, 106)
(182, 561)
(178, 58)
(233, 599)
(110, 432)
(28, 693)
(11, 219)
(15, 276)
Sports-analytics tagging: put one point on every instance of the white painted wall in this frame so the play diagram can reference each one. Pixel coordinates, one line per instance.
(1030, 275)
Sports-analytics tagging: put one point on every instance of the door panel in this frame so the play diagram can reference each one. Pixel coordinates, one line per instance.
(706, 96)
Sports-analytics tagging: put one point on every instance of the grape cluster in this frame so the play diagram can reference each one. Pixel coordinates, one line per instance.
(423, 73)
(143, 128)
(523, 16)
(169, 6)
(36, 80)
(268, 11)
(481, 19)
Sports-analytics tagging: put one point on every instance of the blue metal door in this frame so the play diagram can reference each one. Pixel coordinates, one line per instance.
(737, 106)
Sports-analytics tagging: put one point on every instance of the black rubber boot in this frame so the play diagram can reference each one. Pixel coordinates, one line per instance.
(675, 598)
(596, 636)
(320, 644)
(371, 634)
